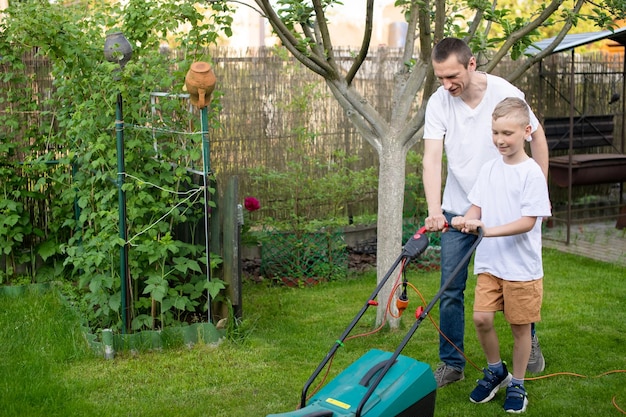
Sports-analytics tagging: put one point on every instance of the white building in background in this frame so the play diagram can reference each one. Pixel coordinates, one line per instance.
(346, 25)
(3, 5)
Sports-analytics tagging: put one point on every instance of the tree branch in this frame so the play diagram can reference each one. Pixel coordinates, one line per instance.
(281, 30)
(290, 42)
(478, 17)
(424, 24)
(365, 44)
(531, 26)
(314, 35)
(411, 35)
(547, 51)
(416, 83)
(327, 44)
(355, 104)
(440, 22)
(356, 116)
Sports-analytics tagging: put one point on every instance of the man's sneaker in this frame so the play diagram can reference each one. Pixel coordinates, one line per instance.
(445, 375)
(536, 362)
(487, 387)
(516, 399)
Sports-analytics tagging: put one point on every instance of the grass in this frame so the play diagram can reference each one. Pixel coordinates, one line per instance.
(47, 370)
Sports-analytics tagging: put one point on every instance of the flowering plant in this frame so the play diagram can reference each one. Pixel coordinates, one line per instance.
(251, 204)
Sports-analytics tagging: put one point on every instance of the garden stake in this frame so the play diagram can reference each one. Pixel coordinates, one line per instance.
(118, 50)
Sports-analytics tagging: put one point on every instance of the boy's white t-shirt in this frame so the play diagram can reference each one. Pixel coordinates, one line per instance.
(467, 137)
(506, 193)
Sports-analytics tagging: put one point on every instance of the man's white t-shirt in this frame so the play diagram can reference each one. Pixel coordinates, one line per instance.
(504, 194)
(467, 137)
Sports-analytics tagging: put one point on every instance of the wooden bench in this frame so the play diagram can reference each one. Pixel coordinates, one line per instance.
(587, 168)
(589, 131)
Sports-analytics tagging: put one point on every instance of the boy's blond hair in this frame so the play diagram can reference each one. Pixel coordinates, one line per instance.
(513, 107)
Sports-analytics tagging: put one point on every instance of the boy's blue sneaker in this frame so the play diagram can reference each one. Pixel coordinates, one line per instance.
(489, 385)
(516, 399)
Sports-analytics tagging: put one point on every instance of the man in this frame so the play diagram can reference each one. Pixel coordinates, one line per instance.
(458, 119)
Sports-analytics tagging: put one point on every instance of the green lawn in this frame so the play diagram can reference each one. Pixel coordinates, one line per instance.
(47, 371)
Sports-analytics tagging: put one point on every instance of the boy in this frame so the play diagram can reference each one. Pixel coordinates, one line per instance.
(508, 201)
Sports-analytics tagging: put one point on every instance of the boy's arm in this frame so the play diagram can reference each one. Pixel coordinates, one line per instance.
(519, 226)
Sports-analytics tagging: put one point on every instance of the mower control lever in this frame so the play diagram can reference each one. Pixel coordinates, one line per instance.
(416, 245)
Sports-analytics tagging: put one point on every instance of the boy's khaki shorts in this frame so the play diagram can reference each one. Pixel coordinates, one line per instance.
(519, 300)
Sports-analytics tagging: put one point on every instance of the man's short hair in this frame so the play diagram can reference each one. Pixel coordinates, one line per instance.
(452, 46)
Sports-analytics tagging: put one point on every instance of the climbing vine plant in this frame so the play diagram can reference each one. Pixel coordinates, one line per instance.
(69, 160)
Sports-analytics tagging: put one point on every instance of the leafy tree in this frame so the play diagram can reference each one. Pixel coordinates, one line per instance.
(491, 30)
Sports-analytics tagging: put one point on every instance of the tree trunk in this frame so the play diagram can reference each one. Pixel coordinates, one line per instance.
(391, 179)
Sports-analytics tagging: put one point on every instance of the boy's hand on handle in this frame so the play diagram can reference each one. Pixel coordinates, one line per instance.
(458, 222)
(467, 225)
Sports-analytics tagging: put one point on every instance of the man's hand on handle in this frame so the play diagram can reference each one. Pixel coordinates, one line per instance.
(436, 223)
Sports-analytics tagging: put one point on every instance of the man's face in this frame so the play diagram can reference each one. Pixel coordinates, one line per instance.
(454, 77)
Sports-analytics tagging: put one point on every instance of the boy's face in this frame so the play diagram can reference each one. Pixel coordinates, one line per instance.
(454, 77)
(509, 135)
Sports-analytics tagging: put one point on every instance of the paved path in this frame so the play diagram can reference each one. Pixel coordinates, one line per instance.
(598, 240)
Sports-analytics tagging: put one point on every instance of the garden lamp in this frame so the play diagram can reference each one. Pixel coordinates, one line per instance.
(117, 49)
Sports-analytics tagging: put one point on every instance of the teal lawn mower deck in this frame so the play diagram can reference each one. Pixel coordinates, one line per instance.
(407, 390)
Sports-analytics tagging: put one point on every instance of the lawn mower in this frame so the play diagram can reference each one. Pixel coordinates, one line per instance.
(380, 384)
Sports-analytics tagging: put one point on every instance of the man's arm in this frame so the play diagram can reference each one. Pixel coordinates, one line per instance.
(431, 177)
(539, 149)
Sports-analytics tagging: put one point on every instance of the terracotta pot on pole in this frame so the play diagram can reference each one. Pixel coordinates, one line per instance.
(200, 83)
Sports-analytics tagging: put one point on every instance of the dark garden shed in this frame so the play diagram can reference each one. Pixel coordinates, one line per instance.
(585, 117)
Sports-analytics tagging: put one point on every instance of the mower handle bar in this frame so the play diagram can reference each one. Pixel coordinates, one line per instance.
(414, 247)
(419, 320)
